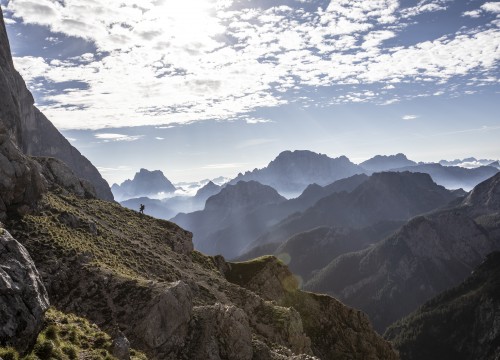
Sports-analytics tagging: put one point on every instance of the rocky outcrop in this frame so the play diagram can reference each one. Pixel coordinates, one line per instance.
(335, 331)
(30, 130)
(219, 332)
(58, 173)
(462, 323)
(23, 298)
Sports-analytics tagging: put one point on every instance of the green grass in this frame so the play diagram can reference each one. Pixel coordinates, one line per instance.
(241, 273)
(126, 243)
(69, 337)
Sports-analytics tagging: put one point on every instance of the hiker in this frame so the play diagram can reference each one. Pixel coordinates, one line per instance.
(141, 208)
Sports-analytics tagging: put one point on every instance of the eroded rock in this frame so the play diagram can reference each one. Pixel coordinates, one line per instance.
(23, 298)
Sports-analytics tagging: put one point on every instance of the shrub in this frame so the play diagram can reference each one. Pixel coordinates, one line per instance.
(9, 354)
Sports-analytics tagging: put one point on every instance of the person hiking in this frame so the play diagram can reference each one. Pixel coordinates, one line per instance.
(141, 208)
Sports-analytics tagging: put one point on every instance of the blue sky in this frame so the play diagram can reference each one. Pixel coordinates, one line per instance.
(202, 88)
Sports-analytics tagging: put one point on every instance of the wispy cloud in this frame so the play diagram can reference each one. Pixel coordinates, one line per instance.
(224, 166)
(108, 137)
(410, 117)
(164, 62)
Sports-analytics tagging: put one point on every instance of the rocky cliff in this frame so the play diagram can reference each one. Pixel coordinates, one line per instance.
(462, 323)
(30, 130)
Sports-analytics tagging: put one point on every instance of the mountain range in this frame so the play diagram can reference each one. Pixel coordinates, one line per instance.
(426, 256)
(291, 172)
(230, 235)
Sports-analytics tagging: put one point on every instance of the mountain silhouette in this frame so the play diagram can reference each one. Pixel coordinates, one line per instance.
(144, 183)
(291, 172)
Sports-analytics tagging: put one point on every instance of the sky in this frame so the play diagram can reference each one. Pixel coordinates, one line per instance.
(203, 88)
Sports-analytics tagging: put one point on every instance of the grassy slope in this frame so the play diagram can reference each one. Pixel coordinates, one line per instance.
(69, 337)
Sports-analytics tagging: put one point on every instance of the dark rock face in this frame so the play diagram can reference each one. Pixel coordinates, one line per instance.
(30, 130)
(384, 163)
(41, 138)
(58, 173)
(20, 181)
(291, 172)
(428, 255)
(461, 323)
(23, 299)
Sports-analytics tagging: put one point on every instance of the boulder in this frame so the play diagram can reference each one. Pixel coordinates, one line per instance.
(23, 298)
(219, 332)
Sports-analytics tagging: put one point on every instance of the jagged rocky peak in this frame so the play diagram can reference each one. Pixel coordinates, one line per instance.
(292, 171)
(384, 162)
(208, 190)
(244, 194)
(485, 196)
(144, 183)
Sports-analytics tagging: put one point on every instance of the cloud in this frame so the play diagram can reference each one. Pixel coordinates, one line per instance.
(108, 137)
(255, 142)
(169, 62)
(410, 117)
(224, 166)
(493, 7)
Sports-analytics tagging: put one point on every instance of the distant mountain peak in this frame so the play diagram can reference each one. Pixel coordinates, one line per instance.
(292, 171)
(486, 195)
(387, 162)
(145, 182)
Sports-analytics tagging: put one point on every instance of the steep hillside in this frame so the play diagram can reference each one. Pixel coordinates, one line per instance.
(308, 252)
(462, 323)
(428, 255)
(291, 172)
(138, 274)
